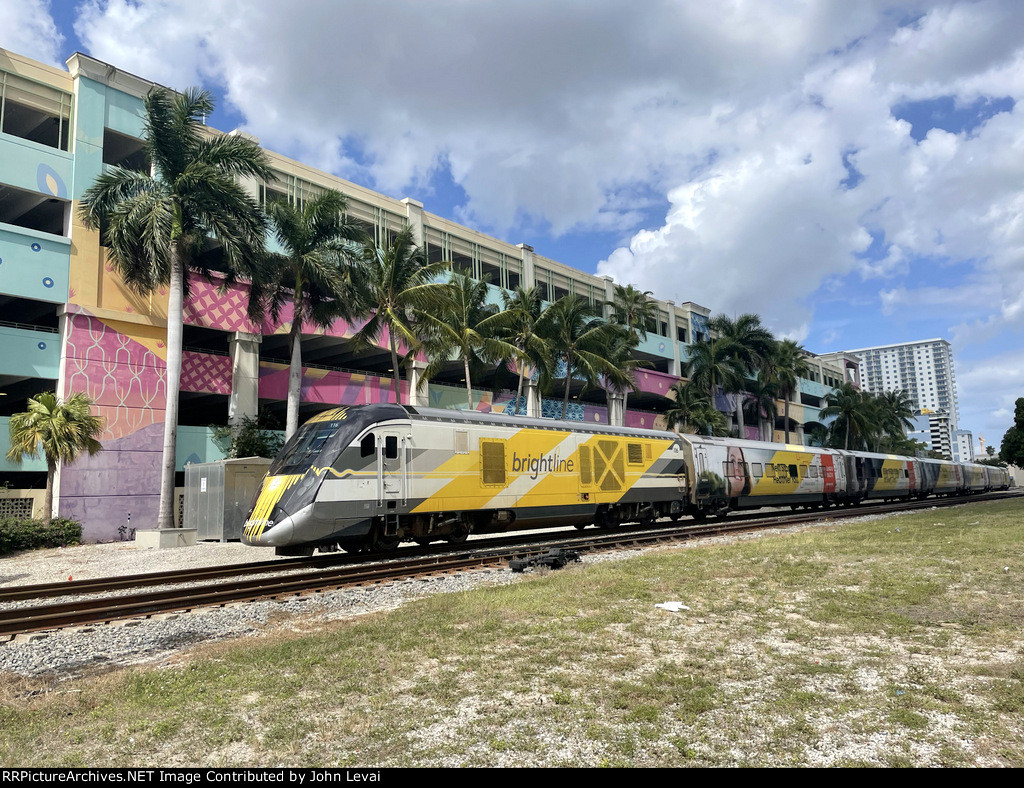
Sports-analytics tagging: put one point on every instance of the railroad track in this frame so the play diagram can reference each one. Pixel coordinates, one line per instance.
(285, 578)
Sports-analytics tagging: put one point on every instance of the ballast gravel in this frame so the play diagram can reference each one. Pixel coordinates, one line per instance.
(69, 652)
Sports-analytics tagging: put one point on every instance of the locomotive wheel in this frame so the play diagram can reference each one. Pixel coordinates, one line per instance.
(459, 534)
(381, 542)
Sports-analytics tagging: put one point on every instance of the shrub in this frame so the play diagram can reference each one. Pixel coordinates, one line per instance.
(19, 534)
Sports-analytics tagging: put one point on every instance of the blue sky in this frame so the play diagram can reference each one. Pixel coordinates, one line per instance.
(853, 172)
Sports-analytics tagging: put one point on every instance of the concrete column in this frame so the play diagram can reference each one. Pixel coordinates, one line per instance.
(616, 410)
(245, 376)
(419, 396)
(677, 365)
(251, 185)
(533, 404)
(609, 296)
(64, 323)
(414, 213)
(527, 250)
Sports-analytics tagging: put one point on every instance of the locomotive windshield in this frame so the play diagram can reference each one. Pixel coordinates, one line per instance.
(315, 443)
(319, 441)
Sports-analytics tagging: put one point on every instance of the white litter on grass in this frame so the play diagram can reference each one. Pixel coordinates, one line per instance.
(672, 607)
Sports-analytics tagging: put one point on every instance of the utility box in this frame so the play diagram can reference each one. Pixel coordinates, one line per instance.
(218, 496)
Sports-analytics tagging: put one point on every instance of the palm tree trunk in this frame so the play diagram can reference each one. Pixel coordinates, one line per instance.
(175, 302)
(739, 414)
(394, 366)
(469, 385)
(786, 411)
(294, 376)
(51, 471)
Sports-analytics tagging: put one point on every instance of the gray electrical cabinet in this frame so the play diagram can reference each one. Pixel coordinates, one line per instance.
(218, 496)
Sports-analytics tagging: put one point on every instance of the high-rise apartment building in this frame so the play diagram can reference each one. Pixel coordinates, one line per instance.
(963, 446)
(923, 369)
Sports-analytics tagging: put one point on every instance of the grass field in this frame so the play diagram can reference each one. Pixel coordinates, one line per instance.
(894, 642)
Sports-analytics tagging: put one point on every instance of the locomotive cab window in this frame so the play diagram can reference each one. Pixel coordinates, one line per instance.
(368, 445)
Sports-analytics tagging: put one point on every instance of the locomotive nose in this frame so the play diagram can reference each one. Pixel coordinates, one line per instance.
(277, 535)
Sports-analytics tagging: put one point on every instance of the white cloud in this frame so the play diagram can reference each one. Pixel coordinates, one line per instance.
(28, 29)
(766, 126)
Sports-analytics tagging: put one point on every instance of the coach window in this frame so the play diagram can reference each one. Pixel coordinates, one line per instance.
(769, 470)
(756, 469)
(792, 472)
(803, 471)
(368, 445)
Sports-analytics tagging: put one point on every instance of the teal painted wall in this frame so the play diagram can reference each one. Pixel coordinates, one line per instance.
(31, 354)
(196, 444)
(90, 114)
(27, 164)
(33, 264)
(38, 464)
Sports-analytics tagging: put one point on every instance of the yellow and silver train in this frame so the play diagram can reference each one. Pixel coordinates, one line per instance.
(372, 476)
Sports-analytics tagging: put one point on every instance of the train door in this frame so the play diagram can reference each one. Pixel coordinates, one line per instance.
(392, 474)
(701, 488)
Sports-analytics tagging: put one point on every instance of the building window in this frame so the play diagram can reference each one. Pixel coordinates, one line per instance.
(120, 150)
(34, 111)
(33, 211)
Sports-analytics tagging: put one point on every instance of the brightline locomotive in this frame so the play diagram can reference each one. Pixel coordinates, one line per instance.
(370, 477)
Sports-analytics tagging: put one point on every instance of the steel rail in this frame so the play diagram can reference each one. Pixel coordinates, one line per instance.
(26, 619)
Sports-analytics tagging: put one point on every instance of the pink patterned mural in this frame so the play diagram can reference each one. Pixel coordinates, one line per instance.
(126, 381)
(226, 309)
(328, 386)
(205, 372)
(210, 307)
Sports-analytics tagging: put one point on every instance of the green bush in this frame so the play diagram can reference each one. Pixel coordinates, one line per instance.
(19, 534)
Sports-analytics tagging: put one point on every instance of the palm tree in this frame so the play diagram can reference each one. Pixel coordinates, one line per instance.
(315, 273)
(580, 339)
(634, 310)
(895, 409)
(460, 328)
(620, 351)
(711, 365)
(398, 280)
(517, 324)
(689, 400)
(851, 412)
(157, 225)
(706, 419)
(765, 392)
(63, 429)
(748, 343)
(789, 362)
